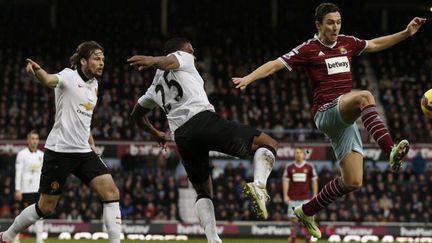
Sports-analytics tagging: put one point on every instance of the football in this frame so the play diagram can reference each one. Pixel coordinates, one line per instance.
(426, 104)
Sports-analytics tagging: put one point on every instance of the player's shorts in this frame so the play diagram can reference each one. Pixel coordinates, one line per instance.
(344, 137)
(205, 132)
(293, 204)
(29, 199)
(58, 166)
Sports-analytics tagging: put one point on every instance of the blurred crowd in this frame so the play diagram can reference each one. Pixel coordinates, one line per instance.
(152, 194)
(225, 48)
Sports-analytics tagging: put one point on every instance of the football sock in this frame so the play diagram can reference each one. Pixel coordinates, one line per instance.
(205, 211)
(330, 193)
(376, 128)
(307, 237)
(112, 220)
(264, 159)
(26, 218)
(38, 226)
(294, 229)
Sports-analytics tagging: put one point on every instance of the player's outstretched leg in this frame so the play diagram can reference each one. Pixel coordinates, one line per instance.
(265, 154)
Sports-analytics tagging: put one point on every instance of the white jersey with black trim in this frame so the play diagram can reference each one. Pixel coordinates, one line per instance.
(180, 92)
(28, 168)
(75, 100)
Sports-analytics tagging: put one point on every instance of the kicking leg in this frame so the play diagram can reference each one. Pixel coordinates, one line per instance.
(362, 103)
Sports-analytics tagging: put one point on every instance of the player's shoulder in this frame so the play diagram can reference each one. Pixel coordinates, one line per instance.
(309, 164)
(39, 151)
(347, 38)
(68, 71)
(22, 152)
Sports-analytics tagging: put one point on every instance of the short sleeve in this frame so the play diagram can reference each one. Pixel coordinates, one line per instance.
(296, 57)
(148, 99)
(357, 45)
(186, 60)
(63, 76)
(313, 173)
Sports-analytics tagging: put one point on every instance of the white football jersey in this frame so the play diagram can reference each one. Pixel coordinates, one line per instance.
(28, 168)
(180, 92)
(75, 100)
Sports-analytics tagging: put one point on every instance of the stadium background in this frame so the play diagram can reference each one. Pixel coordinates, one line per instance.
(231, 38)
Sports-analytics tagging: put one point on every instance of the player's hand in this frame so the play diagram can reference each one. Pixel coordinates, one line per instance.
(32, 66)
(415, 25)
(240, 83)
(286, 199)
(161, 138)
(18, 196)
(141, 62)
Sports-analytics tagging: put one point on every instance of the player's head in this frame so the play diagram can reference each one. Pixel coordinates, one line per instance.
(89, 57)
(299, 154)
(178, 44)
(33, 139)
(328, 22)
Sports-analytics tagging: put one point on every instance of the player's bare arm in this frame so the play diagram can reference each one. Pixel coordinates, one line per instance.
(45, 78)
(92, 143)
(315, 186)
(169, 62)
(139, 114)
(384, 42)
(263, 71)
(285, 188)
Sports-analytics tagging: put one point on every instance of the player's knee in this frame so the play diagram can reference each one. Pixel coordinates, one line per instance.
(365, 98)
(203, 195)
(353, 184)
(112, 193)
(47, 208)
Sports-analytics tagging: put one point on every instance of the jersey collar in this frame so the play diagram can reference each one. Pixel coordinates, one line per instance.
(300, 165)
(316, 36)
(83, 77)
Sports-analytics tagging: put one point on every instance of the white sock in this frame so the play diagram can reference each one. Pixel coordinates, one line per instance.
(263, 165)
(38, 226)
(26, 218)
(205, 211)
(112, 221)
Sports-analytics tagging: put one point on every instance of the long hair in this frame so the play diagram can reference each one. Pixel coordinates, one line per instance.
(84, 50)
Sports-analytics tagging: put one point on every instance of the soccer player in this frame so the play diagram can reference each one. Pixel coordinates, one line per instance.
(327, 60)
(28, 168)
(70, 148)
(297, 180)
(179, 90)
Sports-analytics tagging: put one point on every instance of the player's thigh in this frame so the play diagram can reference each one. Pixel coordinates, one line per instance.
(55, 170)
(94, 172)
(352, 170)
(351, 103)
(205, 188)
(230, 137)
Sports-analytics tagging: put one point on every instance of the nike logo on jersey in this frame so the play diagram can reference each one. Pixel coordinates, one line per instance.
(80, 86)
(320, 54)
(337, 65)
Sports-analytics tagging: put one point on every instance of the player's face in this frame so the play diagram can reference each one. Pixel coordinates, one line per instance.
(93, 67)
(329, 27)
(187, 47)
(33, 141)
(299, 155)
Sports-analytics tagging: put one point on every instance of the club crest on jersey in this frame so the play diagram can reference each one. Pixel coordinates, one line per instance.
(337, 65)
(343, 50)
(88, 106)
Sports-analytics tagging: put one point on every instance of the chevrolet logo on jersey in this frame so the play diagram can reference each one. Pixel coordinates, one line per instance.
(88, 106)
